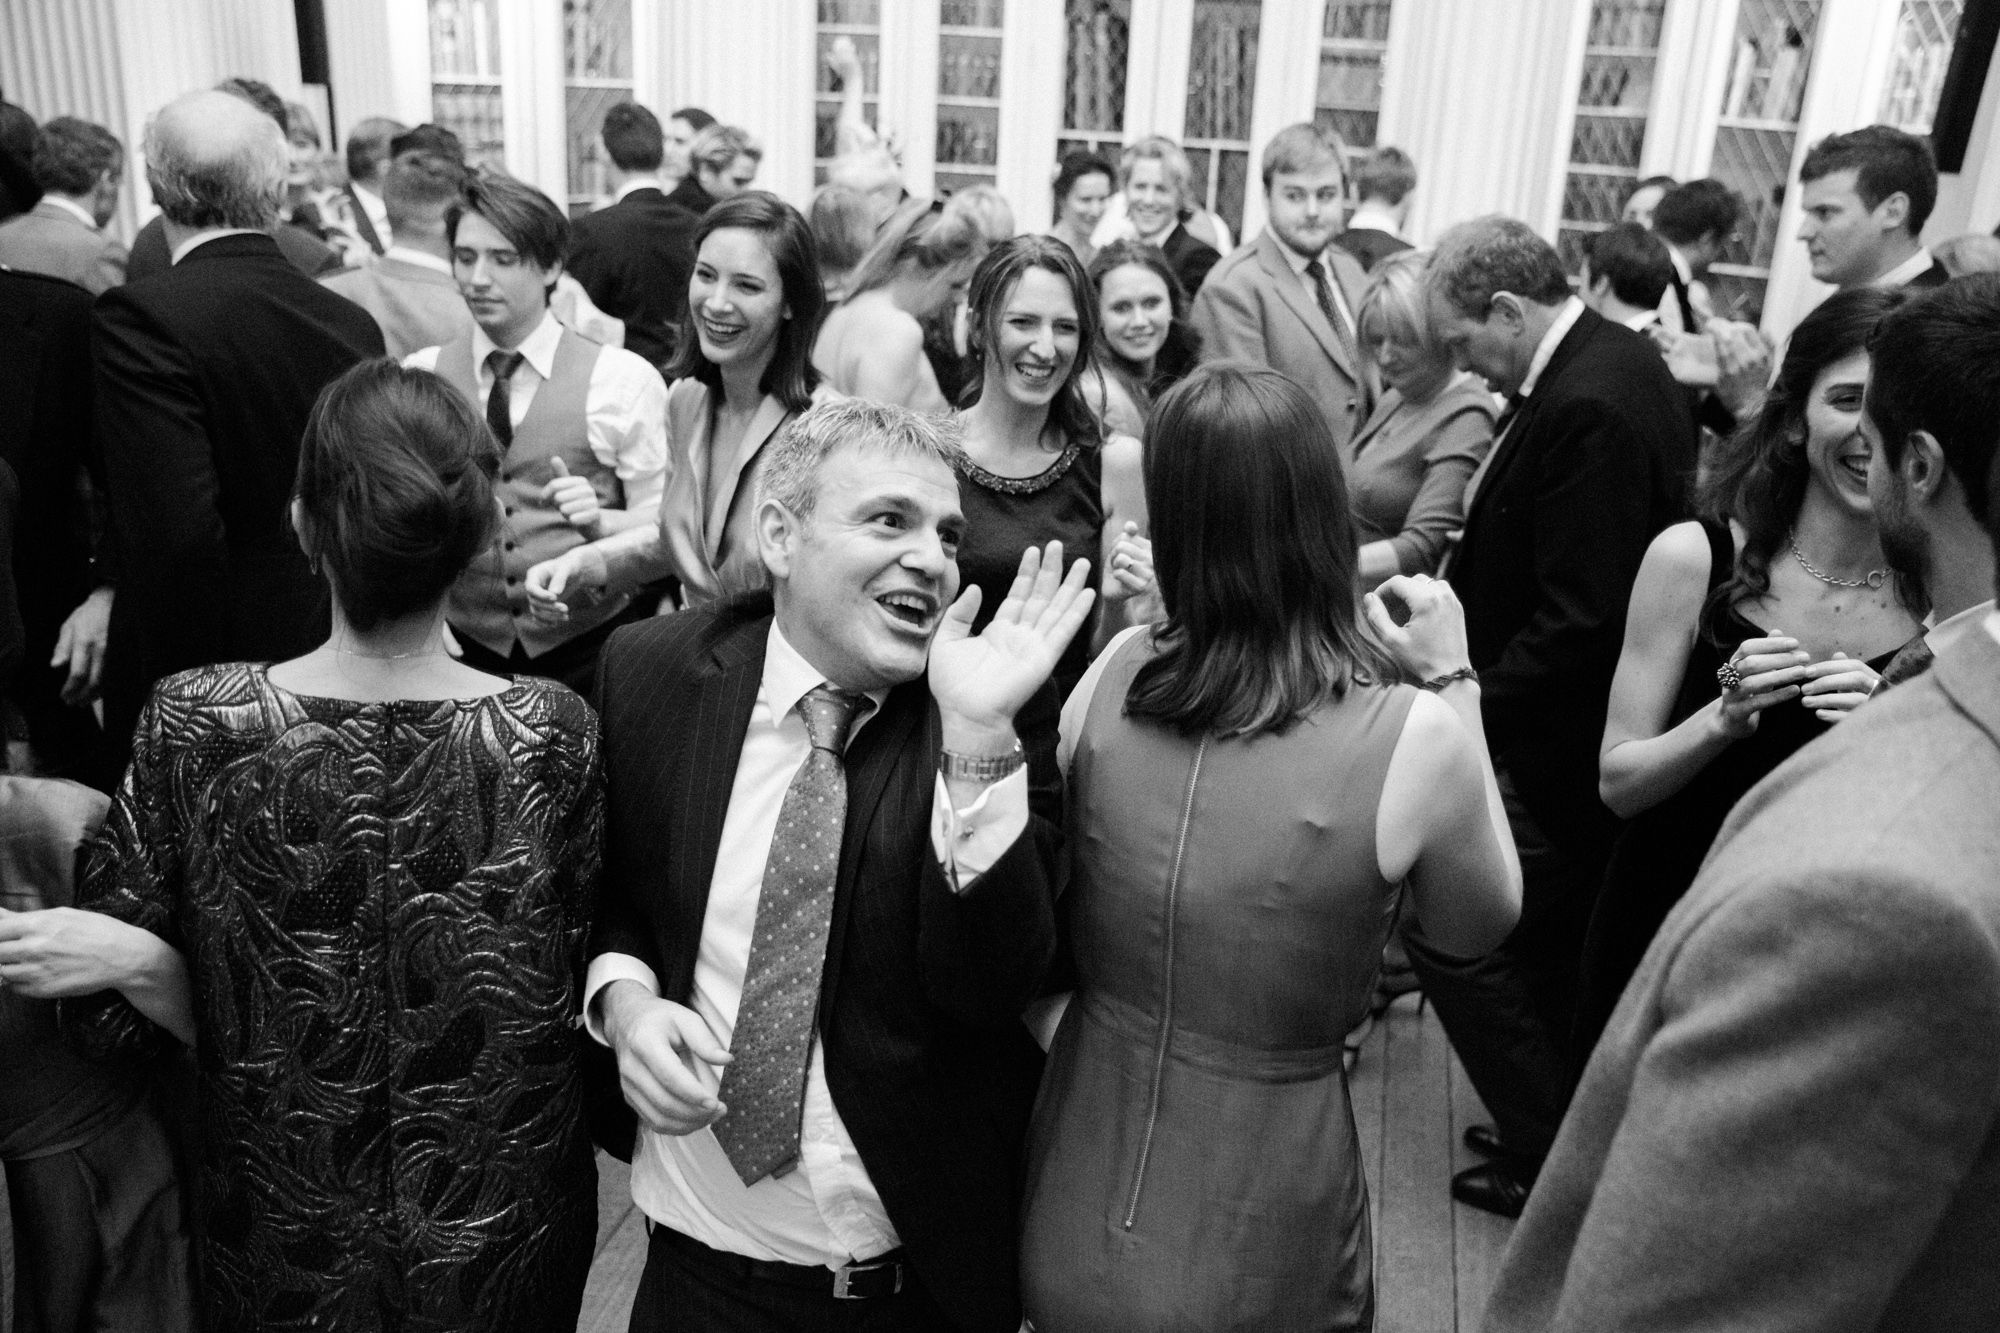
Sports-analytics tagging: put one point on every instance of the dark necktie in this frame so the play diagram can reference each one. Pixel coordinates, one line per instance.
(500, 396)
(1912, 659)
(764, 1085)
(1316, 271)
(1690, 323)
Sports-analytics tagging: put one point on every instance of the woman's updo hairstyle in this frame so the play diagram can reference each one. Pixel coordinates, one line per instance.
(395, 489)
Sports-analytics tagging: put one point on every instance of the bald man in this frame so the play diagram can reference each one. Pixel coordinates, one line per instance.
(204, 377)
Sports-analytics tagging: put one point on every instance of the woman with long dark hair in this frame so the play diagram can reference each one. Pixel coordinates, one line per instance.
(754, 301)
(1145, 345)
(1038, 468)
(1082, 184)
(1250, 790)
(1751, 630)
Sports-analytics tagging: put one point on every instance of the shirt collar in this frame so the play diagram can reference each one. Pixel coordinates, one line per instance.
(788, 677)
(1641, 320)
(1566, 318)
(208, 234)
(1903, 273)
(1370, 216)
(367, 196)
(74, 209)
(1680, 262)
(417, 257)
(538, 349)
(1297, 260)
(1946, 632)
(640, 183)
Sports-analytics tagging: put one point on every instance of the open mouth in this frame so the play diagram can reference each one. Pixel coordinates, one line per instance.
(911, 610)
(721, 333)
(1034, 376)
(1856, 466)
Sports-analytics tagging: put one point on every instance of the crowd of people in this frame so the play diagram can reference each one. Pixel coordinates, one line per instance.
(934, 740)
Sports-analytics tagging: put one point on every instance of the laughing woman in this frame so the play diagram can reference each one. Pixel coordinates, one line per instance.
(1145, 345)
(1038, 467)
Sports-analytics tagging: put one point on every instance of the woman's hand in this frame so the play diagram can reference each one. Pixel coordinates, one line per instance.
(63, 951)
(1836, 687)
(576, 498)
(578, 577)
(1420, 620)
(1772, 670)
(1131, 566)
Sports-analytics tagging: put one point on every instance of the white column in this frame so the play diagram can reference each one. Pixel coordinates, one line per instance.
(1561, 131)
(1157, 73)
(1689, 81)
(747, 63)
(255, 38)
(379, 59)
(1288, 33)
(1031, 89)
(908, 105)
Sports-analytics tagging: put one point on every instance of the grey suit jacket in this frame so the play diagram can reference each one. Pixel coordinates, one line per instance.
(416, 307)
(1254, 308)
(1793, 1119)
(50, 240)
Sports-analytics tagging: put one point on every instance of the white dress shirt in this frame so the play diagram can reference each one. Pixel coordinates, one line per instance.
(1298, 263)
(640, 183)
(625, 408)
(377, 211)
(827, 1211)
(73, 208)
(1698, 297)
(1910, 268)
(1371, 216)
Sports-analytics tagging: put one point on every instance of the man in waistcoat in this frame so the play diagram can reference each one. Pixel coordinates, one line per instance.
(582, 430)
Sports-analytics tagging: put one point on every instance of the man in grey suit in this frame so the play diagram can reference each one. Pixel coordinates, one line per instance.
(1289, 299)
(1793, 1119)
(410, 290)
(80, 167)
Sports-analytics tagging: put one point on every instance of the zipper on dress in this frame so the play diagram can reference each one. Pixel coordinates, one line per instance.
(1166, 990)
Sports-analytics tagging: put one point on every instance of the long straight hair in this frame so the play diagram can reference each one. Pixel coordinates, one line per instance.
(790, 377)
(993, 283)
(1256, 558)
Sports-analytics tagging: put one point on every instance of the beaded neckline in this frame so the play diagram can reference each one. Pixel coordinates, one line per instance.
(1041, 481)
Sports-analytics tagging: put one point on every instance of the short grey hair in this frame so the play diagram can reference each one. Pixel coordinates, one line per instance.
(791, 470)
(1476, 260)
(242, 189)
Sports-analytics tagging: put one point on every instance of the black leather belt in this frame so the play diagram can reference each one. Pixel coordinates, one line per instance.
(879, 1277)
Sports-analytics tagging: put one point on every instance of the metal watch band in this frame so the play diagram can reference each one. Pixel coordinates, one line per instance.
(981, 767)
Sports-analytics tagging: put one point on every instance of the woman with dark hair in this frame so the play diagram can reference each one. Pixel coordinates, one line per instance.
(1145, 345)
(1247, 776)
(872, 344)
(754, 300)
(1082, 185)
(1751, 630)
(1038, 468)
(357, 883)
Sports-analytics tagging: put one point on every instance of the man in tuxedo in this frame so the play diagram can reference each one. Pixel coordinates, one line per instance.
(410, 290)
(1625, 273)
(1289, 299)
(634, 257)
(204, 377)
(368, 160)
(80, 168)
(1793, 1119)
(1867, 197)
(1593, 456)
(829, 893)
(1383, 184)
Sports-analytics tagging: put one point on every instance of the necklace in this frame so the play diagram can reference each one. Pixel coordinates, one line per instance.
(1874, 578)
(389, 657)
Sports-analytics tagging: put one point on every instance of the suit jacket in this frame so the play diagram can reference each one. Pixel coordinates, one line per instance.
(1937, 275)
(920, 1005)
(364, 226)
(415, 307)
(711, 539)
(634, 259)
(1254, 308)
(204, 378)
(1370, 245)
(151, 255)
(1793, 1120)
(689, 195)
(1190, 257)
(1597, 460)
(54, 241)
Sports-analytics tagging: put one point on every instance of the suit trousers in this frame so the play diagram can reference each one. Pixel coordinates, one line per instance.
(690, 1288)
(1509, 1014)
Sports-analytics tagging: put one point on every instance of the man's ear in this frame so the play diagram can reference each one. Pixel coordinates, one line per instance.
(1509, 310)
(1924, 471)
(1893, 213)
(777, 538)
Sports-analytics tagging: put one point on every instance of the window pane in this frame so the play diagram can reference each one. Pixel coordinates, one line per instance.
(1925, 34)
(1094, 59)
(597, 39)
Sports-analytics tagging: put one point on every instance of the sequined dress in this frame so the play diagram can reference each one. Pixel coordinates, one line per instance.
(383, 908)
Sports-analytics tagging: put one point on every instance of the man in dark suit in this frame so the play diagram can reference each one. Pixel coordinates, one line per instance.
(1793, 1119)
(1290, 299)
(204, 378)
(1592, 458)
(634, 257)
(1866, 198)
(1382, 184)
(829, 889)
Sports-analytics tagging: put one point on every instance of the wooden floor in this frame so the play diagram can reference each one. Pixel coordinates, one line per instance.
(1434, 1259)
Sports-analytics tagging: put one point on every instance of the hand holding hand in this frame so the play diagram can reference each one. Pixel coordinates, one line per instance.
(576, 498)
(80, 647)
(1428, 638)
(1131, 571)
(63, 951)
(1772, 669)
(668, 1061)
(1836, 687)
(981, 681)
(576, 578)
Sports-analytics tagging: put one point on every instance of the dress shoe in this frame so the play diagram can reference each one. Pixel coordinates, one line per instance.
(1495, 1187)
(1485, 1140)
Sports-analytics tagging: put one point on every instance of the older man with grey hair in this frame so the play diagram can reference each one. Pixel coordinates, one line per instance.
(204, 377)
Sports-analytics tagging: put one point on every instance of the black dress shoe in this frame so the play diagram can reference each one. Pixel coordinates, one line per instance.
(1485, 1140)
(1495, 1187)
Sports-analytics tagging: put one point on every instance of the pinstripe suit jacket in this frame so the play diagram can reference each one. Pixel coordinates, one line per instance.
(920, 1003)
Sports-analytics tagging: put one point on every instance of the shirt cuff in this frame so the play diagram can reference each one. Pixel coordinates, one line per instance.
(605, 969)
(969, 841)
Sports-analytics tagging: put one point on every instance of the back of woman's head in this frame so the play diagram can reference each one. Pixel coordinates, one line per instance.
(1255, 554)
(920, 239)
(993, 283)
(1759, 478)
(788, 239)
(395, 489)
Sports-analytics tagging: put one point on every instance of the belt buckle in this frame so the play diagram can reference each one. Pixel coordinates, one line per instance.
(843, 1277)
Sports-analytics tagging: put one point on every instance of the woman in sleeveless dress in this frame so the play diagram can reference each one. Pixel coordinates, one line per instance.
(1783, 583)
(754, 299)
(1037, 470)
(1250, 792)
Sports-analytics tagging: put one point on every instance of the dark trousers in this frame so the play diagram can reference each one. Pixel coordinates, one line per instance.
(572, 662)
(1509, 1014)
(689, 1288)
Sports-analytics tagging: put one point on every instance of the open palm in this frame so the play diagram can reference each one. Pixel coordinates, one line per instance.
(986, 677)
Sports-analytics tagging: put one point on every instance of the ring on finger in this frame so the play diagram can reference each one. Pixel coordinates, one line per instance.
(1728, 677)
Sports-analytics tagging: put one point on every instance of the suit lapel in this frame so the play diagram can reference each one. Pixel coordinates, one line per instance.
(871, 761)
(1507, 448)
(1291, 291)
(770, 415)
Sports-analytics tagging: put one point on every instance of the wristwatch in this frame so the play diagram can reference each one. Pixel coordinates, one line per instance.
(981, 767)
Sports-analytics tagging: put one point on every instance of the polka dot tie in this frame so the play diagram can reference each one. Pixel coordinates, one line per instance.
(764, 1086)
